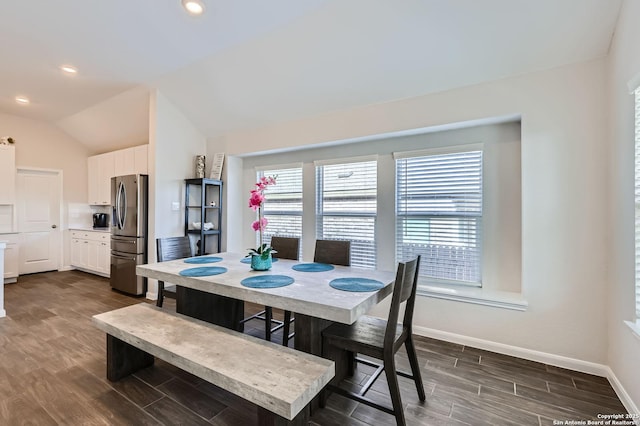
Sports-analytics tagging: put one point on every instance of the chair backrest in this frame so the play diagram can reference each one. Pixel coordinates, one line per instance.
(334, 252)
(404, 290)
(286, 247)
(171, 248)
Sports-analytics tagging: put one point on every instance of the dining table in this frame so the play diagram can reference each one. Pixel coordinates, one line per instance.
(214, 288)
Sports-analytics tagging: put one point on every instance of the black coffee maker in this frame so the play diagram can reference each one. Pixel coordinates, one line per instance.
(100, 220)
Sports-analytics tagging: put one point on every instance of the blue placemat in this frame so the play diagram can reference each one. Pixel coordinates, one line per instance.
(248, 260)
(203, 259)
(312, 267)
(356, 284)
(203, 271)
(267, 281)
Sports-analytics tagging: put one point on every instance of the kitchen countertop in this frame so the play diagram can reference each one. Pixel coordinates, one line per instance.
(90, 228)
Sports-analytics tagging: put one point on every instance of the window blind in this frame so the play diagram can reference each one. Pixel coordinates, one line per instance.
(346, 207)
(637, 200)
(439, 215)
(282, 206)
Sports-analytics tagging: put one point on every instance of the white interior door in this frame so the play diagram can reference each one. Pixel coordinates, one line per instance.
(38, 207)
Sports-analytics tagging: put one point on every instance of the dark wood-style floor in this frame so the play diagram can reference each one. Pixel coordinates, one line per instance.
(52, 372)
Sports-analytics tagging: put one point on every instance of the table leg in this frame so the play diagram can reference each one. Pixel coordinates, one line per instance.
(308, 339)
(220, 310)
(124, 359)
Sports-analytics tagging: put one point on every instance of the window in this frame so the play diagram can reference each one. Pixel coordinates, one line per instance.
(637, 199)
(439, 213)
(283, 203)
(346, 207)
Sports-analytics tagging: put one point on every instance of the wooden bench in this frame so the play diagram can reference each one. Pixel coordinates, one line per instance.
(279, 380)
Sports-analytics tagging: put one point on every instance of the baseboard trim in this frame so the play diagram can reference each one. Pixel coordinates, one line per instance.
(544, 357)
(530, 354)
(626, 400)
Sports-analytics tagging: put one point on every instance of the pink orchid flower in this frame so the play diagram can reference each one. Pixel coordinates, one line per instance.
(256, 199)
(260, 225)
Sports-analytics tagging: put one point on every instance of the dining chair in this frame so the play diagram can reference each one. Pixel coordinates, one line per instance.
(380, 339)
(334, 252)
(286, 248)
(171, 248)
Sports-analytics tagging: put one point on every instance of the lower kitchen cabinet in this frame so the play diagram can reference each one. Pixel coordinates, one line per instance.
(91, 251)
(11, 257)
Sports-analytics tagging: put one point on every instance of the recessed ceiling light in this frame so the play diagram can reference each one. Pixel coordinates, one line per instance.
(68, 69)
(194, 7)
(22, 100)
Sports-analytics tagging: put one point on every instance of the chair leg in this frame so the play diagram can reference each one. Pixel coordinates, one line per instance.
(415, 368)
(160, 294)
(286, 328)
(268, 316)
(394, 389)
(351, 369)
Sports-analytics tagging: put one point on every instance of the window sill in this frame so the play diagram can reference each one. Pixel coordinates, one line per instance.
(477, 296)
(635, 328)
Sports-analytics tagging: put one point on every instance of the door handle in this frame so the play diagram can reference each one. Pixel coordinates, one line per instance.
(54, 226)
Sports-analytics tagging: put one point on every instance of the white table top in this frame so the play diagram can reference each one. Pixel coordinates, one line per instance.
(310, 294)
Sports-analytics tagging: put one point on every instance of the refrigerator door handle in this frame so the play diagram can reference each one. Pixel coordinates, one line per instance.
(120, 206)
(119, 256)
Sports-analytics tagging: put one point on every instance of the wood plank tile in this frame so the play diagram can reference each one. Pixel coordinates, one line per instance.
(118, 410)
(591, 386)
(479, 416)
(231, 416)
(492, 396)
(612, 403)
(137, 391)
(514, 375)
(464, 404)
(20, 410)
(584, 409)
(53, 372)
(192, 398)
(169, 412)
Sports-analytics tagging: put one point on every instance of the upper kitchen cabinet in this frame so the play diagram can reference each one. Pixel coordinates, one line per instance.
(101, 169)
(131, 161)
(7, 174)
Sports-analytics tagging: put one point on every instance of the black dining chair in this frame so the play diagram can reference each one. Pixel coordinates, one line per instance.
(286, 248)
(171, 248)
(380, 339)
(334, 252)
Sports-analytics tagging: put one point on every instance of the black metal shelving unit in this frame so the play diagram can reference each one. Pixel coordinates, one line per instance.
(203, 203)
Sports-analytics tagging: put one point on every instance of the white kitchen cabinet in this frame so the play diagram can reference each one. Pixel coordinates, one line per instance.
(141, 159)
(7, 174)
(90, 251)
(124, 162)
(101, 168)
(11, 257)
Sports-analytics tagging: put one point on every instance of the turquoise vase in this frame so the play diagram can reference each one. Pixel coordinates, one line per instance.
(260, 264)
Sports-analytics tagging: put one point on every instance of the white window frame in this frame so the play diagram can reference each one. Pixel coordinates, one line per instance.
(363, 254)
(636, 93)
(426, 270)
(269, 231)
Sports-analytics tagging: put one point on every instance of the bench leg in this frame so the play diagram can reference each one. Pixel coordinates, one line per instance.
(267, 418)
(124, 359)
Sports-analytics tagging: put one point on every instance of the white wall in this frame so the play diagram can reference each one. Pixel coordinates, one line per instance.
(41, 145)
(501, 225)
(624, 348)
(173, 144)
(564, 183)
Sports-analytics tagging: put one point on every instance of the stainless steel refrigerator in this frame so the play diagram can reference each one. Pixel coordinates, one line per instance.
(129, 203)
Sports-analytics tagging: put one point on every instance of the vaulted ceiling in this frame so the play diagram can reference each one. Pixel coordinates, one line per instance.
(249, 63)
